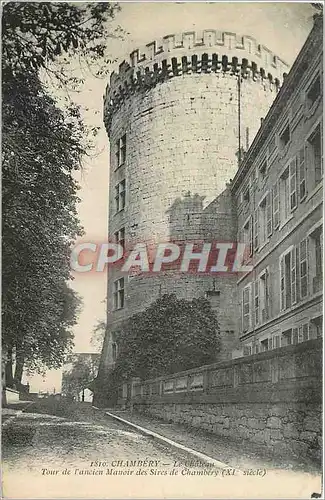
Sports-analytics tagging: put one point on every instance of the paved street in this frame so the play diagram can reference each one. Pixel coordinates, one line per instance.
(53, 449)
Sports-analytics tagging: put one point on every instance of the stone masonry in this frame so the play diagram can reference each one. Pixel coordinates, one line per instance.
(187, 106)
(272, 398)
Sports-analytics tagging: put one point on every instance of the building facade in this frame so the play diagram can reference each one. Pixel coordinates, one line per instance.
(180, 114)
(279, 198)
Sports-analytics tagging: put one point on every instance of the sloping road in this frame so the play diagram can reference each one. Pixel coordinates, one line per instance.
(56, 449)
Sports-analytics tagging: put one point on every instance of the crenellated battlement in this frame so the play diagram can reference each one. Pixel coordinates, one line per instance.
(209, 51)
(231, 43)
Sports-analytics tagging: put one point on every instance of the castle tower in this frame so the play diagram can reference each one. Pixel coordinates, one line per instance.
(179, 115)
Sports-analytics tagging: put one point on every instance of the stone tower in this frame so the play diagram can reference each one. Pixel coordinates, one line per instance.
(179, 114)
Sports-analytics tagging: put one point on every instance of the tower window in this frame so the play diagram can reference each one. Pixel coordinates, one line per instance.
(118, 294)
(120, 196)
(120, 151)
(120, 237)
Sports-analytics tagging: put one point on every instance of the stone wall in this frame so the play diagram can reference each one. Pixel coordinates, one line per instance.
(272, 399)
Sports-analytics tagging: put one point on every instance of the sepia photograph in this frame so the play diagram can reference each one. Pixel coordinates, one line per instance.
(162, 250)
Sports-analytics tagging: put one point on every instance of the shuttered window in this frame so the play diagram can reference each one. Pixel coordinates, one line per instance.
(275, 341)
(256, 238)
(276, 205)
(257, 348)
(264, 296)
(303, 334)
(251, 236)
(293, 184)
(294, 336)
(293, 277)
(246, 308)
(269, 214)
(256, 302)
(247, 237)
(282, 284)
(288, 280)
(302, 174)
(303, 268)
(247, 351)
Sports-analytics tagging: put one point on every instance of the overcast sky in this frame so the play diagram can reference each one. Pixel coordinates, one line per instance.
(282, 27)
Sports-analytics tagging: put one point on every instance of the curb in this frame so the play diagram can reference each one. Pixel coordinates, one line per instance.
(13, 417)
(170, 442)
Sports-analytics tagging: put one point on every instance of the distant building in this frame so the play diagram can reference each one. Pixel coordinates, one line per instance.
(86, 395)
(78, 373)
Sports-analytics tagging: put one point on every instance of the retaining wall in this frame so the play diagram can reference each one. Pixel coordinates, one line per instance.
(272, 398)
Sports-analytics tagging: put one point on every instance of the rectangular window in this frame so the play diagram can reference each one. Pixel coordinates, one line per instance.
(257, 348)
(286, 338)
(316, 327)
(265, 345)
(282, 284)
(287, 279)
(268, 214)
(120, 196)
(293, 184)
(284, 137)
(248, 238)
(276, 341)
(303, 268)
(302, 174)
(314, 151)
(256, 303)
(120, 151)
(316, 261)
(263, 169)
(118, 293)
(247, 351)
(293, 264)
(289, 337)
(295, 336)
(264, 284)
(276, 205)
(246, 308)
(256, 228)
(120, 237)
(262, 222)
(284, 196)
(313, 92)
(303, 334)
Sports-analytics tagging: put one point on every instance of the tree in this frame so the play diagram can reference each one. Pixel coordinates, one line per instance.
(171, 335)
(98, 334)
(42, 35)
(43, 145)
